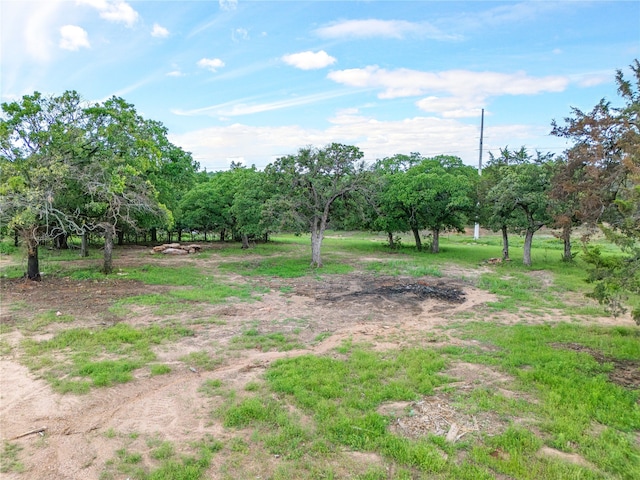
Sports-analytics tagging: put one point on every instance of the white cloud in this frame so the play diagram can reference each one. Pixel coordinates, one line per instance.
(159, 31)
(212, 64)
(228, 4)
(460, 92)
(453, 107)
(240, 34)
(382, 28)
(175, 73)
(114, 11)
(404, 82)
(73, 38)
(309, 60)
(430, 136)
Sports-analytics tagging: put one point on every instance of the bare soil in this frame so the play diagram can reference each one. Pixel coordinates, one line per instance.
(75, 436)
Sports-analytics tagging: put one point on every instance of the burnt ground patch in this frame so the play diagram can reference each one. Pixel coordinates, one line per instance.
(625, 373)
(400, 290)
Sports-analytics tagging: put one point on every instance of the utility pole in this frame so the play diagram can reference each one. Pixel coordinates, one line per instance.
(476, 229)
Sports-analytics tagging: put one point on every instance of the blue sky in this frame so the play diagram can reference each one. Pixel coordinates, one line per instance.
(254, 80)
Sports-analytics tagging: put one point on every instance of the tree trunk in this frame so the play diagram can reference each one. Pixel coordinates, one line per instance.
(223, 233)
(107, 266)
(435, 243)
(245, 241)
(15, 238)
(60, 241)
(316, 246)
(33, 264)
(179, 235)
(528, 240)
(169, 235)
(266, 238)
(154, 235)
(392, 244)
(566, 238)
(84, 244)
(505, 243)
(120, 239)
(416, 236)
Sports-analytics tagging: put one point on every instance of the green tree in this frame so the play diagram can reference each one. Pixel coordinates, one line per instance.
(38, 140)
(174, 175)
(307, 185)
(249, 200)
(523, 190)
(495, 214)
(386, 212)
(434, 193)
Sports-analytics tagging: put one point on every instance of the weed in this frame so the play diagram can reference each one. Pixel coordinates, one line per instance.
(201, 360)
(210, 387)
(9, 458)
(253, 339)
(159, 370)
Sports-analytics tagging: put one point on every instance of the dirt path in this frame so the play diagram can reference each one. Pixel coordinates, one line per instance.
(82, 432)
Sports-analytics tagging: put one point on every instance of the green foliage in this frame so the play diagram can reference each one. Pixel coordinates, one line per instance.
(306, 186)
(604, 170)
(424, 193)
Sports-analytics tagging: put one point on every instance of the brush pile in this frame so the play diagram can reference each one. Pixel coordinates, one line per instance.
(176, 249)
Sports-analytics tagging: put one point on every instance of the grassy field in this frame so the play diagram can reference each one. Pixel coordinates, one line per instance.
(567, 405)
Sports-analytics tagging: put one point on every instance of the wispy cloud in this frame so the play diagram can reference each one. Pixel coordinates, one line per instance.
(73, 38)
(114, 11)
(309, 60)
(159, 31)
(211, 64)
(228, 4)
(240, 34)
(370, 28)
(242, 107)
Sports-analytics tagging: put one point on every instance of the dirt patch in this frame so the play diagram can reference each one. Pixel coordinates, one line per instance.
(84, 432)
(625, 373)
(439, 414)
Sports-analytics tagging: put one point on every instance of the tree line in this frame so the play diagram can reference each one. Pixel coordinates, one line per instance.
(73, 168)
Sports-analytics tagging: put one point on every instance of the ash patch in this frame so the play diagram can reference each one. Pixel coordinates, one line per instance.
(401, 290)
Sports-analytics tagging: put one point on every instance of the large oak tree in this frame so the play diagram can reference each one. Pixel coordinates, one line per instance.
(308, 184)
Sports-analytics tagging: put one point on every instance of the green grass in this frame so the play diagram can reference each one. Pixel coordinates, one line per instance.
(201, 361)
(570, 390)
(77, 359)
(253, 339)
(573, 389)
(41, 320)
(283, 267)
(9, 461)
(403, 267)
